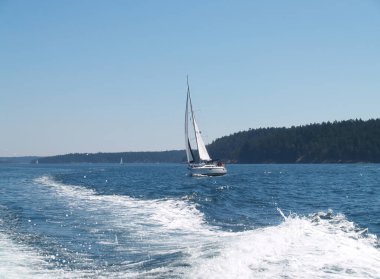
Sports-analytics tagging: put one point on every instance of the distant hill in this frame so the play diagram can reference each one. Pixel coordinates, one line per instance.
(174, 156)
(17, 160)
(348, 141)
(332, 142)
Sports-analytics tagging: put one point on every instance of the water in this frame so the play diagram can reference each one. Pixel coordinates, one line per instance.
(153, 221)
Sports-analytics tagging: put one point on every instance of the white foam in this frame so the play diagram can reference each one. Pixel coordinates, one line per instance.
(156, 227)
(320, 246)
(170, 214)
(20, 261)
(297, 248)
(64, 189)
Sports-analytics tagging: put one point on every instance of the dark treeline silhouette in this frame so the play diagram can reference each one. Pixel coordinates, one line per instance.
(17, 160)
(332, 142)
(348, 141)
(173, 156)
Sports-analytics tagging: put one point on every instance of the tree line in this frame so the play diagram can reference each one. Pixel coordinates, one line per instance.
(173, 156)
(328, 142)
(347, 141)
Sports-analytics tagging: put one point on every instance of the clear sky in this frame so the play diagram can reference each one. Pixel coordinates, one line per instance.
(110, 76)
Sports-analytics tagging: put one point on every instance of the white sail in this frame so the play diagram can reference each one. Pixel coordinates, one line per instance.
(203, 154)
(189, 153)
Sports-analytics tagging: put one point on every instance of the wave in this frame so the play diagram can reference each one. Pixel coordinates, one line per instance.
(22, 261)
(170, 214)
(153, 230)
(321, 245)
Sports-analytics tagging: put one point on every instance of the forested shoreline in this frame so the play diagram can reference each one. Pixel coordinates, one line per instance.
(173, 156)
(349, 141)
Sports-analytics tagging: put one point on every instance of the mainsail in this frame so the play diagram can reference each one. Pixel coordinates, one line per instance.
(203, 154)
(189, 152)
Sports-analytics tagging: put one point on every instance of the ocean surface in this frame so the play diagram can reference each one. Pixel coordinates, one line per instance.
(154, 221)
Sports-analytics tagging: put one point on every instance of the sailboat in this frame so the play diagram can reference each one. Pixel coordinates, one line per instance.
(121, 160)
(204, 165)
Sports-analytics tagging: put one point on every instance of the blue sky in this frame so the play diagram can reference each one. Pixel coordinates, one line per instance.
(110, 76)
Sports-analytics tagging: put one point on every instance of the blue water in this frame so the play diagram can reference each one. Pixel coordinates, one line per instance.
(154, 221)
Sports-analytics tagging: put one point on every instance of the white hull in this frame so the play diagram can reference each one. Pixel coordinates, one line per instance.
(207, 170)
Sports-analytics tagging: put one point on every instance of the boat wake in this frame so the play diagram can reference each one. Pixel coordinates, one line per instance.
(322, 245)
(22, 261)
(137, 214)
(170, 238)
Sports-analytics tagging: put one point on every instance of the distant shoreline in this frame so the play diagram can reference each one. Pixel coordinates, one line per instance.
(344, 142)
(23, 160)
(41, 160)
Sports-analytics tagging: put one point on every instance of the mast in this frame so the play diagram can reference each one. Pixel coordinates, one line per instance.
(191, 108)
(189, 152)
(202, 151)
